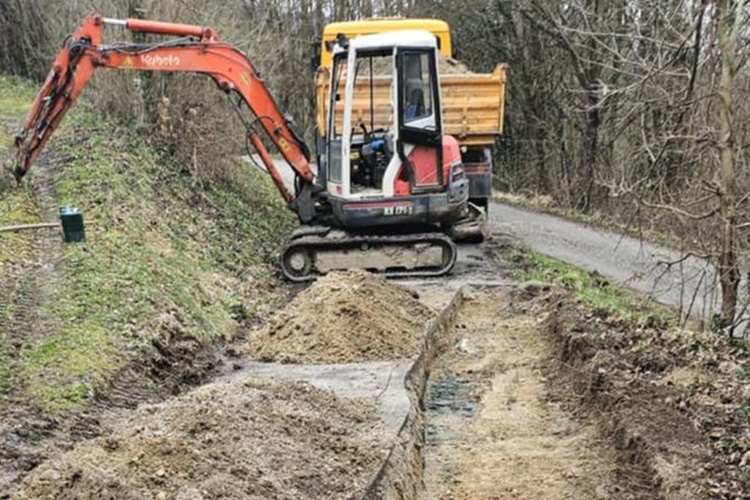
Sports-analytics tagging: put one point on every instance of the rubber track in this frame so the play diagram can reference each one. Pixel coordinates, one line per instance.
(321, 242)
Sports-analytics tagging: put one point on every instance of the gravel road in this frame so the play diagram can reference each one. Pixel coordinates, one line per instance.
(627, 261)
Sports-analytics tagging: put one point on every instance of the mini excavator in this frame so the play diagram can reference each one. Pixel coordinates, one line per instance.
(390, 187)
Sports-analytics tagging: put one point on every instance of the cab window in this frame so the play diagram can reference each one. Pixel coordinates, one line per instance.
(416, 94)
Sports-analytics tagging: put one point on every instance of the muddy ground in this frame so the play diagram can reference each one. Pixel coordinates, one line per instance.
(537, 396)
(256, 437)
(28, 437)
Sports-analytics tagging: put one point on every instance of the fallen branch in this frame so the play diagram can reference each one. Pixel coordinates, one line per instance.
(40, 225)
(680, 212)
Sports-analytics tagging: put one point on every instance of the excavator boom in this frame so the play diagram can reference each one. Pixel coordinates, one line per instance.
(197, 50)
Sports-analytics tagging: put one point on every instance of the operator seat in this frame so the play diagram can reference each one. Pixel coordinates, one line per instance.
(415, 103)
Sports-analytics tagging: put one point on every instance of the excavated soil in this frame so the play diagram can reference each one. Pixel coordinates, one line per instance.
(492, 429)
(673, 403)
(248, 440)
(449, 66)
(344, 317)
(446, 66)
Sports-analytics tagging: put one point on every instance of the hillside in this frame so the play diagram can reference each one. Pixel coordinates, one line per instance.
(171, 266)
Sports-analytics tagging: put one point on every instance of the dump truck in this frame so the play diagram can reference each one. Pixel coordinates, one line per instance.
(473, 104)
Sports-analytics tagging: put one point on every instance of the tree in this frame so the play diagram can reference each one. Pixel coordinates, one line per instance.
(728, 16)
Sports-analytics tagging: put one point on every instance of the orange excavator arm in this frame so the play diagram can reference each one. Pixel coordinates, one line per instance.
(197, 50)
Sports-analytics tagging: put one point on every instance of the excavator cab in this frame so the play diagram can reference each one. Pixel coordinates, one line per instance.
(390, 163)
(394, 184)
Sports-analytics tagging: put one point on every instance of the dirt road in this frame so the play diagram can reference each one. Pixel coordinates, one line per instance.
(628, 261)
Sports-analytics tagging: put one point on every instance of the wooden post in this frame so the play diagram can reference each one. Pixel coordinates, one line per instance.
(29, 227)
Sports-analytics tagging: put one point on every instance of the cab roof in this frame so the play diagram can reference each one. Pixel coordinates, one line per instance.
(400, 38)
(379, 25)
(353, 29)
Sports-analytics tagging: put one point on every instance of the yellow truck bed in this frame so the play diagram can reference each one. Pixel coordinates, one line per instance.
(473, 104)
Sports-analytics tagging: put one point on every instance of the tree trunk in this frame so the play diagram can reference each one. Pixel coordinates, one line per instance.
(729, 276)
(591, 156)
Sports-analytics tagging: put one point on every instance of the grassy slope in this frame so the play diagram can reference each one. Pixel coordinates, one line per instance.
(593, 291)
(17, 206)
(165, 261)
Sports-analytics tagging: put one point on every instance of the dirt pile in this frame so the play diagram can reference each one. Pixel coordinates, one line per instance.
(344, 317)
(450, 66)
(249, 440)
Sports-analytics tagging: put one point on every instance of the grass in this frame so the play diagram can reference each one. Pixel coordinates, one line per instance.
(16, 96)
(593, 291)
(165, 261)
(17, 206)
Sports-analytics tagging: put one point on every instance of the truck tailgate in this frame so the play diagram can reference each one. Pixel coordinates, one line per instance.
(473, 105)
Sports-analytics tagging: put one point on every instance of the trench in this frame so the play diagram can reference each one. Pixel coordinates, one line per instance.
(493, 429)
(469, 417)
(482, 422)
